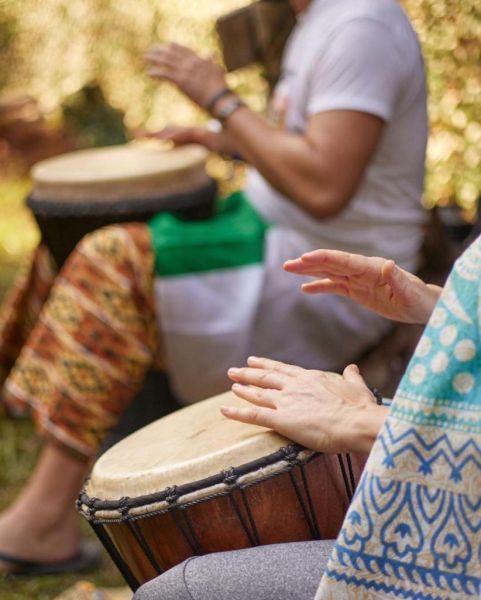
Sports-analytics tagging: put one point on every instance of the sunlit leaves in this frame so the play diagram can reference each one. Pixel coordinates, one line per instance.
(60, 45)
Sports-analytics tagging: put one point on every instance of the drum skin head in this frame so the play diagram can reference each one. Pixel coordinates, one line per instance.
(188, 445)
(133, 170)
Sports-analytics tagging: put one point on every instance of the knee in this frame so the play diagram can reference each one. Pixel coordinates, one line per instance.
(170, 585)
(149, 590)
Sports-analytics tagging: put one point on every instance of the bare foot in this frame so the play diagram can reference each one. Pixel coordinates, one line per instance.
(30, 536)
(42, 524)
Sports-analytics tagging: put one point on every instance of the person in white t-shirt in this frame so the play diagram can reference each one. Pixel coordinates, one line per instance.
(339, 164)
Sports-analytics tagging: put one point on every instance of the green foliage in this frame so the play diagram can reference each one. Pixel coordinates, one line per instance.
(64, 44)
(450, 32)
(18, 232)
(67, 43)
(8, 30)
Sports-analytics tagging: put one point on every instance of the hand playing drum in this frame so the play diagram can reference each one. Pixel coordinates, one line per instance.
(320, 410)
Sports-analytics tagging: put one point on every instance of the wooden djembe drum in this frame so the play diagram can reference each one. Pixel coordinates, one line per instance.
(194, 482)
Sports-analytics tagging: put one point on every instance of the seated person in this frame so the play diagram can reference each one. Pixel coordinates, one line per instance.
(412, 530)
(345, 172)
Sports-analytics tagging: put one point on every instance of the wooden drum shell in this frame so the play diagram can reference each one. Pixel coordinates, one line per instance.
(307, 501)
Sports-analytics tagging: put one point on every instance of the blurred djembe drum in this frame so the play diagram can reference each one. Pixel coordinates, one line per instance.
(78, 192)
(194, 482)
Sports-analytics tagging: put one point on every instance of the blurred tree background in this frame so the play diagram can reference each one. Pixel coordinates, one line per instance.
(82, 63)
(450, 32)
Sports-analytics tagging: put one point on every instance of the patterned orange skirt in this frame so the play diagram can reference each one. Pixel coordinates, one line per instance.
(74, 347)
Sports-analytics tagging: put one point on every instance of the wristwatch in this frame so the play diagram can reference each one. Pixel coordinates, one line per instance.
(228, 108)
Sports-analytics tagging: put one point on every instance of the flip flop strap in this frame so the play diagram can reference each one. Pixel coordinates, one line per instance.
(17, 561)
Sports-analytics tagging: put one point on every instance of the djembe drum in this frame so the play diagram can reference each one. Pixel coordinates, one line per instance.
(76, 193)
(194, 482)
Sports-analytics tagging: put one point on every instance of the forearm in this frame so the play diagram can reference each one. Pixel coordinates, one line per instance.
(319, 169)
(289, 162)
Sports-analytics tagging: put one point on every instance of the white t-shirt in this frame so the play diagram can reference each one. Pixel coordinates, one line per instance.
(358, 55)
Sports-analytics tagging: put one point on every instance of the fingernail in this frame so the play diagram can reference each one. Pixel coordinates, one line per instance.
(233, 370)
(253, 358)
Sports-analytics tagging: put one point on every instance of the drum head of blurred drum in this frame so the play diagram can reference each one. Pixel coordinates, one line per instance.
(114, 173)
(76, 193)
(186, 446)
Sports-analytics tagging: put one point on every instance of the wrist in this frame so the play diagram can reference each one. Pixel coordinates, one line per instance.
(364, 426)
(217, 98)
(226, 107)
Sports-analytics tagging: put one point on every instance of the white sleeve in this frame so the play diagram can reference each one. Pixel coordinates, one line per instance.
(361, 70)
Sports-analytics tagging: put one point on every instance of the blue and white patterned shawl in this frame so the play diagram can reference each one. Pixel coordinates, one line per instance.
(413, 530)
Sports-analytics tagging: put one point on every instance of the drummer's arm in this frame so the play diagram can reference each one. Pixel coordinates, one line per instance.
(319, 169)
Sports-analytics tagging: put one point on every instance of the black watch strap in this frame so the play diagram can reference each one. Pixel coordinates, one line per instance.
(377, 394)
(216, 97)
(229, 107)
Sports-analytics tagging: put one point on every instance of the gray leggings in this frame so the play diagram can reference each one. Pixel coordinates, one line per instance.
(276, 572)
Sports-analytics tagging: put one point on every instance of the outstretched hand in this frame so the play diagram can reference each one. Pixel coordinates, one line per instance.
(376, 283)
(323, 411)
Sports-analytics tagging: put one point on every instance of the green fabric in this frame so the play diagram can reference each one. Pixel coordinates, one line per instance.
(232, 238)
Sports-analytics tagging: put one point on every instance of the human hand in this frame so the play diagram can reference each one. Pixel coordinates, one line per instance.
(323, 411)
(376, 283)
(215, 141)
(199, 79)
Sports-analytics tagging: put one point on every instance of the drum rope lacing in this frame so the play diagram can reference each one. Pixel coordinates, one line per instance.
(132, 525)
(124, 507)
(182, 519)
(115, 555)
(171, 494)
(90, 507)
(229, 476)
(347, 475)
(230, 479)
